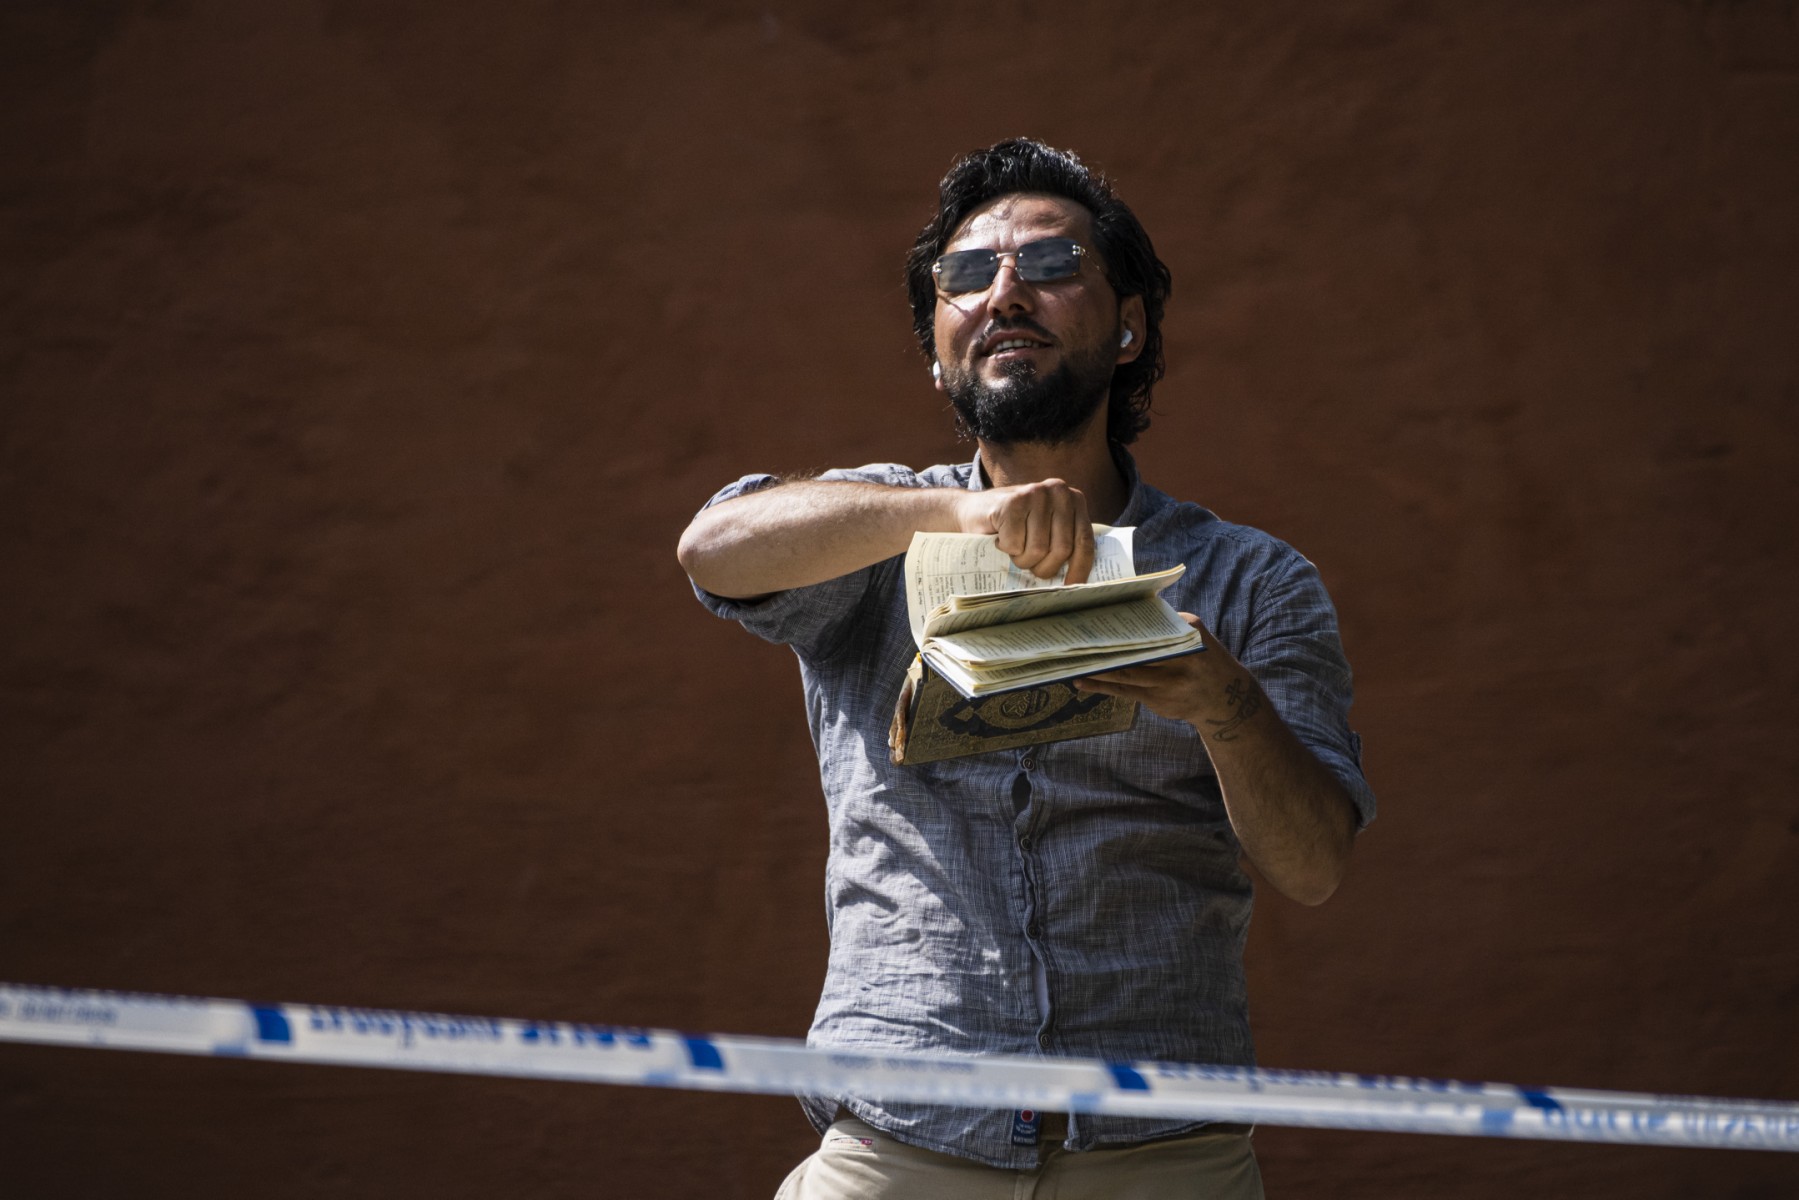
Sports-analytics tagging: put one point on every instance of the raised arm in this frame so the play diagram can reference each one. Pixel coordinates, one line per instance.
(793, 534)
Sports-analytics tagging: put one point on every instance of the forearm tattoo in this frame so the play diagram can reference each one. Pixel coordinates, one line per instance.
(1245, 700)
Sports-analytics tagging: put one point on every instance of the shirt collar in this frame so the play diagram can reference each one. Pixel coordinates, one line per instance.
(1141, 501)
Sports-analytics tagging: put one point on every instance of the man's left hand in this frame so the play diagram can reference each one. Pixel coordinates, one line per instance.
(1293, 818)
(1209, 690)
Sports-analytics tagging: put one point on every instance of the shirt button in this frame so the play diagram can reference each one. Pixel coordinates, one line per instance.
(1024, 843)
(1029, 763)
(1043, 1040)
(1033, 931)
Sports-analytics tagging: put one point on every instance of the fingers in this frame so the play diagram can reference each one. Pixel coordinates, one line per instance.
(1080, 563)
(1052, 534)
(1115, 683)
(1156, 691)
(1143, 679)
(1157, 697)
(1044, 527)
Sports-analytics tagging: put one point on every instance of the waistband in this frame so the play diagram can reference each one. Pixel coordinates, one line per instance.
(1054, 1131)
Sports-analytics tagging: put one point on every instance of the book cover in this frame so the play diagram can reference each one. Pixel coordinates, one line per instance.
(933, 721)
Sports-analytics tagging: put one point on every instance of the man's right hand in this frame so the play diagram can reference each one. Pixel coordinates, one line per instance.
(1042, 526)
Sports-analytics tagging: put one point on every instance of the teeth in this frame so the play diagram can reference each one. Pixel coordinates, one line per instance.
(1014, 344)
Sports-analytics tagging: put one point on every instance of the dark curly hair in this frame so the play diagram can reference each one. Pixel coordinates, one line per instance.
(1132, 268)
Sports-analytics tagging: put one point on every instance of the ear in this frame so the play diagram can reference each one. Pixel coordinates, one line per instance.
(1131, 321)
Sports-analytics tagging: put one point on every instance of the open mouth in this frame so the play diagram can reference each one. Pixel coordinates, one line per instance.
(1004, 347)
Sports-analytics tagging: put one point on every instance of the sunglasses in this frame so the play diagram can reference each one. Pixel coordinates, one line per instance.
(962, 271)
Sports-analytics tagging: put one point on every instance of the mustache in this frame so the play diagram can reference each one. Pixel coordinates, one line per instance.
(1013, 325)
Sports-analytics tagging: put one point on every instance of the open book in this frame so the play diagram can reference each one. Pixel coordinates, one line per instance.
(987, 627)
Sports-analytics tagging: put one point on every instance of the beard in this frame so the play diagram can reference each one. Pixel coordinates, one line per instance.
(1023, 406)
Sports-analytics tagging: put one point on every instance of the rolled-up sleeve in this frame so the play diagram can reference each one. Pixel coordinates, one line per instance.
(1297, 656)
(811, 619)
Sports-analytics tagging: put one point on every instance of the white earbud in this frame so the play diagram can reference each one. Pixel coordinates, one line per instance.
(936, 371)
(1126, 339)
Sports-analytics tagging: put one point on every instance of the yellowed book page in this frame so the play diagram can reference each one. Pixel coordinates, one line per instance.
(1025, 606)
(1136, 623)
(1039, 671)
(942, 565)
(1057, 668)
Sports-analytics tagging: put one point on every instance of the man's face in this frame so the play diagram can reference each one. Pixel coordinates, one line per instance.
(1031, 362)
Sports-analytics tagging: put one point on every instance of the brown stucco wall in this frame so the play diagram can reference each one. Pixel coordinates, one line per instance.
(360, 363)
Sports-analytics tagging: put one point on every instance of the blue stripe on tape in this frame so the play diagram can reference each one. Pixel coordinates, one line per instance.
(189, 1025)
(1127, 1077)
(1496, 1122)
(1542, 1100)
(704, 1054)
(271, 1024)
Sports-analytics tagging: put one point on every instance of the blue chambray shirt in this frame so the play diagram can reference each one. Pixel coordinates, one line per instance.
(1108, 860)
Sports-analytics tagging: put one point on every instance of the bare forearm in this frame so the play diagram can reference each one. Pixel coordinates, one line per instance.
(1293, 818)
(801, 533)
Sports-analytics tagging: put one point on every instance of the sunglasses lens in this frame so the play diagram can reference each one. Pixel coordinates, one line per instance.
(962, 271)
(1051, 258)
(966, 271)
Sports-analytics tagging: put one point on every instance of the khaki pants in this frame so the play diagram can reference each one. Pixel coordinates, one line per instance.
(857, 1162)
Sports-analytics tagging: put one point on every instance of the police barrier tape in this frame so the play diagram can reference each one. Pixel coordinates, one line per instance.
(312, 1033)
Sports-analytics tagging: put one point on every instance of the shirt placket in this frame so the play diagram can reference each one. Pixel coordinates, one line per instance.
(1029, 803)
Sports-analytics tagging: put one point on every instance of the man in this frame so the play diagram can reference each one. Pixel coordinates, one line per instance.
(1081, 897)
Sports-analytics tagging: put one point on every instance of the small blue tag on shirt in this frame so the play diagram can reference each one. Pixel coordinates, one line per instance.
(1027, 1125)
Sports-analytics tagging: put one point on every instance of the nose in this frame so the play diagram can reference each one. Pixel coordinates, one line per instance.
(1008, 293)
